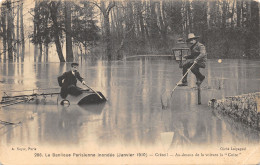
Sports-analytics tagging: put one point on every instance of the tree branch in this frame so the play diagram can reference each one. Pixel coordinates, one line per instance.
(94, 3)
(110, 6)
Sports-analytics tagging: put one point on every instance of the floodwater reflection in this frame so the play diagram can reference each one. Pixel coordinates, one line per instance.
(132, 116)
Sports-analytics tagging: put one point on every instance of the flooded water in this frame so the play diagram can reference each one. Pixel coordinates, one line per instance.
(133, 115)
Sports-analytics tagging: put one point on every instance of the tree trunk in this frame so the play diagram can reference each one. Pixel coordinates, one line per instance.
(35, 33)
(131, 21)
(105, 12)
(46, 52)
(108, 37)
(207, 13)
(243, 14)
(35, 52)
(54, 11)
(141, 21)
(17, 34)
(113, 26)
(185, 19)
(254, 26)
(248, 38)
(205, 26)
(224, 14)
(3, 19)
(122, 43)
(136, 19)
(232, 15)
(163, 24)
(119, 23)
(40, 54)
(212, 13)
(248, 15)
(9, 31)
(238, 13)
(259, 30)
(102, 8)
(69, 51)
(189, 17)
(116, 23)
(22, 32)
(153, 22)
(14, 42)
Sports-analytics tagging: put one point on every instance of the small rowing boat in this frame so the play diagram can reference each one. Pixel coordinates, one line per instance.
(87, 97)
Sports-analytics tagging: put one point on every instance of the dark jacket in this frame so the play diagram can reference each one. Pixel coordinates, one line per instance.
(69, 79)
(198, 53)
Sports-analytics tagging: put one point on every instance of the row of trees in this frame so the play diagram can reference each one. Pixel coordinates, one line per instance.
(12, 40)
(56, 21)
(229, 28)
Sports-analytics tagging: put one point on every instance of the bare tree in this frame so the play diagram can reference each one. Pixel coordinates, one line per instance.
(54, 12)
(105, 10)
(140, 20)
(9, 30)
(238, 5)
(35, 22)
(22, 31)
(17, 34)
(163, 23)
(3, 23)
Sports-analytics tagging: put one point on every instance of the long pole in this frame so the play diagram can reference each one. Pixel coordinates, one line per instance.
(183, 77)
(94, 91)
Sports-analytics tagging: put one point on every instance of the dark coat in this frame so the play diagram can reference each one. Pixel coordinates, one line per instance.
(68, 83)
(198, 53)
(69, 79)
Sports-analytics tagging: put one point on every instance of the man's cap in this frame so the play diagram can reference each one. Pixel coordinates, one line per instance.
(74, 64)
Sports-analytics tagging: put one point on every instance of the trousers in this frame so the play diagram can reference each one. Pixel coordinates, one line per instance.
(72, 90)
(195, 70)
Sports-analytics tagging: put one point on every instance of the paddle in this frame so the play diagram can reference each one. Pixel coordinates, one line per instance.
(93, 91)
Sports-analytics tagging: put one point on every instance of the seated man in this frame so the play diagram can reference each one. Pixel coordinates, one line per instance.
(68, 80)
(198, 56)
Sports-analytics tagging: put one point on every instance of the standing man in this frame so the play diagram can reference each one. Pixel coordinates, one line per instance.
(68, 80)
(198, 56)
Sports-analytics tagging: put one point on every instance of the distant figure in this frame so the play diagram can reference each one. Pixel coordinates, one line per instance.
(68, 80)
(199, 56)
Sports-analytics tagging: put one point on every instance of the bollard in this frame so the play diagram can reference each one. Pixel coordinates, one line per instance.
(199, 96)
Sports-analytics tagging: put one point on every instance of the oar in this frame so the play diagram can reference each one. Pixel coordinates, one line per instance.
(94, 91)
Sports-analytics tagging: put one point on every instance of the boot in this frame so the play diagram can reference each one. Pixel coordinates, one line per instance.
(183, 84)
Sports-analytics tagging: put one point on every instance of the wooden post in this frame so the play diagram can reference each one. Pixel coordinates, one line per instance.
(180, 65)
(199, 96)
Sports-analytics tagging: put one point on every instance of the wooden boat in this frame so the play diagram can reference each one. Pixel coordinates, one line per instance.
(87, 97)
